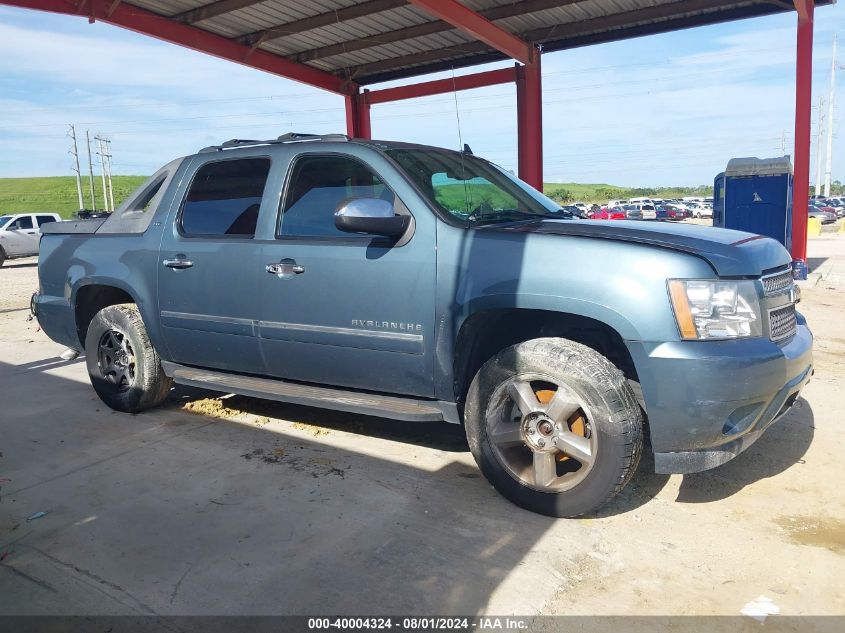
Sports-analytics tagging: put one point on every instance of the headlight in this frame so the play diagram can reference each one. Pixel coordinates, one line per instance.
(715, 309)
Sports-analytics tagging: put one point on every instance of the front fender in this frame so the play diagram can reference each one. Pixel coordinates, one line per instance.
(568, 305)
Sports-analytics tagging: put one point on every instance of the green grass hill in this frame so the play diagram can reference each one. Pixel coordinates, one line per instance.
(58, 193)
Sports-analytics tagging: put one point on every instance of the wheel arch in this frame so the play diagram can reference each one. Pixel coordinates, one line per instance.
(92, 296)
(486, 332)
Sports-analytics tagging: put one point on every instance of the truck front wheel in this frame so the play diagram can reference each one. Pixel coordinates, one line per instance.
(554, 426)
(124, 367)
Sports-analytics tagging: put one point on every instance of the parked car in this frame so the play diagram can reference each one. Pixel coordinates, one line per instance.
(700, 210)
(20, 233)
(825, 214)
(677, 212)
(831, 205)
(624, 212)
(583, 206)
(574, 211)
(418, 283)
(669, 212)
(646, 209)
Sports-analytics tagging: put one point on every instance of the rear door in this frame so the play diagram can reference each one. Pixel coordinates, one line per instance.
(208, 268)
(43, 219)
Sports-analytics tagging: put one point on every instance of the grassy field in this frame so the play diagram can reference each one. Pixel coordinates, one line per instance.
(580, 192)
(58, 193)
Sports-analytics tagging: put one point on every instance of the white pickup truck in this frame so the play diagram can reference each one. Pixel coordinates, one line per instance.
(20, 233)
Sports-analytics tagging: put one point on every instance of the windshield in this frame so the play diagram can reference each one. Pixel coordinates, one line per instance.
(472, 190)
(4, 219)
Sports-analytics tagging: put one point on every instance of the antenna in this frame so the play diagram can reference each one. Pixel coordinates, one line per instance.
(461, 143)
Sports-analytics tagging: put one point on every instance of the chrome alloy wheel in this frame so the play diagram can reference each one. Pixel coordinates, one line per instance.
(116, 359)
(540, 432)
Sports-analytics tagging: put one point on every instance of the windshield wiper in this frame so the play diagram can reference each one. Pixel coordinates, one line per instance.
(510, 219)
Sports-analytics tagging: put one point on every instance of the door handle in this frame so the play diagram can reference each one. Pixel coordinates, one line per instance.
(178, 262)
(285, 269)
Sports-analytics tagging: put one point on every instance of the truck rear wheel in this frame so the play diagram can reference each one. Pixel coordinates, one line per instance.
(554, 426)
(124, 367)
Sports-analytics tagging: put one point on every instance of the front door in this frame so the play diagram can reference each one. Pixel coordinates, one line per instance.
(21, 237)
(208, 272)
(341, 308)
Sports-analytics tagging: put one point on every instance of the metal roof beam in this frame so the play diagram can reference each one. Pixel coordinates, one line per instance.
(675, 11)
(441, 86)
(212, 10)
(804, 9)
(323, 19)
(479, 27)
(427, 28)
(164, 28)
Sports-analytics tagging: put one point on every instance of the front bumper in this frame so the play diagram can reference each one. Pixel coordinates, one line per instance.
(707, 401)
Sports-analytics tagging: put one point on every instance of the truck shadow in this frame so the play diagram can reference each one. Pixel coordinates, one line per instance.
(171, 512)
(815, 262)
(781, 447)
(438, 435)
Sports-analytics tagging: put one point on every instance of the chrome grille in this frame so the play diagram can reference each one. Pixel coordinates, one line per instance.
(782, 322)
(778, 282)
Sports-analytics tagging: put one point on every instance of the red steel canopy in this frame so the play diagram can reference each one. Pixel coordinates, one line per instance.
(343, 45)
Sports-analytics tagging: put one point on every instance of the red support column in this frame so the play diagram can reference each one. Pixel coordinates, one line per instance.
(529, 112)
(803, 107)
(358, 115)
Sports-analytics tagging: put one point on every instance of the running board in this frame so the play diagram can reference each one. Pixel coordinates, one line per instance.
(392, 407)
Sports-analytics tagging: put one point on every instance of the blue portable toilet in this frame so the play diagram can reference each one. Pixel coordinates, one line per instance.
(755, 195)
(719, 200)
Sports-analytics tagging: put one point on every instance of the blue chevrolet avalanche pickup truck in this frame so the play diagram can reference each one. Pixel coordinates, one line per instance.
(418, 283)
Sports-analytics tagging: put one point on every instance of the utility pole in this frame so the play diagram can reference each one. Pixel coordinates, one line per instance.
(75, 154)
(105, 161)
(819, 131)
(102, 171)
(830, 121)
(90, 171)
(107, 145)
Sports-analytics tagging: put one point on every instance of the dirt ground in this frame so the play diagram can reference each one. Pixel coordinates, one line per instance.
(234, 505)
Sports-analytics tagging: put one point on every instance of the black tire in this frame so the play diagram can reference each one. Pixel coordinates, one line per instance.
(614, 415)
(2, 257)
(143, 383)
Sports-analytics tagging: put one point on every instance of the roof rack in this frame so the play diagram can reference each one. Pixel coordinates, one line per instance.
(290, 137)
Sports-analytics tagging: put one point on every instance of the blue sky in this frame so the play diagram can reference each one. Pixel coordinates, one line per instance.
(662, 110)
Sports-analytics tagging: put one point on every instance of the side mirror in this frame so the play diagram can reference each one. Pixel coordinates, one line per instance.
(370, 215)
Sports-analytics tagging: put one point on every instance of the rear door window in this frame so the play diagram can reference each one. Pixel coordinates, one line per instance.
(224, 198)
(44, 219)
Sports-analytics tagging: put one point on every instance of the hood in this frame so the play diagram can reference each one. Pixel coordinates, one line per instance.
(730, 253)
